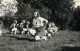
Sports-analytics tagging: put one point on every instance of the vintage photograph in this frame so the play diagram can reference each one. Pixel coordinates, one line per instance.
(39, 25)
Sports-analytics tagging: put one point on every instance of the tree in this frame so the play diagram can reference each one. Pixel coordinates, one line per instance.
(65, 13)
(62, 12)
(8, 7)
(75, 23)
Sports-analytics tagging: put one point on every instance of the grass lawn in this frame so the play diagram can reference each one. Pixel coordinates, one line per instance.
(59, 42)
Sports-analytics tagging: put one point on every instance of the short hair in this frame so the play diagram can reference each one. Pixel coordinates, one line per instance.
(38, 14)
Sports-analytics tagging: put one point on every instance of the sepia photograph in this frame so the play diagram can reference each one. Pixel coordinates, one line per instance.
(39, 25)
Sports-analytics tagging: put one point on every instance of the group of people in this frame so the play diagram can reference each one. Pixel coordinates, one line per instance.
(41, 28)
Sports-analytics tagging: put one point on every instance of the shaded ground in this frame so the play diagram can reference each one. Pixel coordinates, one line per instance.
(62, 41)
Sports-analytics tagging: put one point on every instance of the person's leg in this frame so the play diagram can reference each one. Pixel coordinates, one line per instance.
(44, 37)
(37, 38)
(12, 30)
(24, 30)
(49, 35)
(15, 31)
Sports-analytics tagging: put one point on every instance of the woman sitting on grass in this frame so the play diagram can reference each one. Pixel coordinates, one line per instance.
(38, 21)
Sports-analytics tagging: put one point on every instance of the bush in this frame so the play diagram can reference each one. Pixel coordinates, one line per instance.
(75, 23)
(62, 13)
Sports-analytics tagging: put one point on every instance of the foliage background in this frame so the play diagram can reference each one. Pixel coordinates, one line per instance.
(61, 12)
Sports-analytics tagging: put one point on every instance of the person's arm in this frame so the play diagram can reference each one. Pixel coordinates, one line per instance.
(12, 26)
(27, 25)
(45, 21)
(21, 26)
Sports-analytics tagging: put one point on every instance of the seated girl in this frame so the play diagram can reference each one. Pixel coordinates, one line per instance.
(24, 26)
(13, 27)
(52, 29)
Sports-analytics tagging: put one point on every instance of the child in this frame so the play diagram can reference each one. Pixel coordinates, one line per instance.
(21, 26)
(24, 26)
(41, 34)
(13, 27)
(52, 29)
